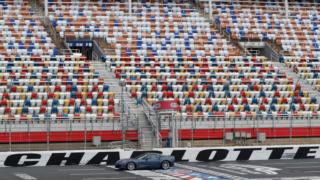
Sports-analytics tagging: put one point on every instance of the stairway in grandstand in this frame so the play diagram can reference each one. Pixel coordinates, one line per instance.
(106, 48)
(222, 31)
(225, 15)
(129, 105)
(130, 109)
(297, 80)
(235, 43)
(57, 40)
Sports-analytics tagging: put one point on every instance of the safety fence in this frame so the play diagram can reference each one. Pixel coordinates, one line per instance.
(199, 131)
(193, 131)
(65, 134)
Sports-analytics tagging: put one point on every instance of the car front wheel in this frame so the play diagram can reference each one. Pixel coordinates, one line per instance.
(131, 166)
(165, 165)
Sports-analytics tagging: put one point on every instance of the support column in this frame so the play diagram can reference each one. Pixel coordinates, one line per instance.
(46, 8)
(173, 132)
(130, 7)
(210, 9)
(286, 9)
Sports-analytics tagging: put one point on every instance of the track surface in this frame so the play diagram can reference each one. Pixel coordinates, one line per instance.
(274, 170)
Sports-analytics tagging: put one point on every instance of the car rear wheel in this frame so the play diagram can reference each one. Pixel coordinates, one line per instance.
(165, 165)
(131, 166)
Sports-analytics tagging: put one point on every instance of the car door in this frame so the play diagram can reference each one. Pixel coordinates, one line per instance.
(143, 162)
(153, 161)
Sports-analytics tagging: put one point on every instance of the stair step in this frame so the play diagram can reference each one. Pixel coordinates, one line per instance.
(146, 138)
(56, 39)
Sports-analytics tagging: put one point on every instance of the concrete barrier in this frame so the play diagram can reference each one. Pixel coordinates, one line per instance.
(109, 157)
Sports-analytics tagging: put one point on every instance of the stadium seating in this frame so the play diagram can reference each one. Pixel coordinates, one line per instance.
(261, 20)
(162, 51)
(36, 83)
(170, 52)
(38, 88)
(298, 36)
(165, 30)
(22, 32)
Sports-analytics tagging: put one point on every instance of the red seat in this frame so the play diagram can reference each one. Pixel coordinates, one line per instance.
(235, 100)
(191, 95)
(68, 88)
(57, 88)
(110, 108)
(79, 95)
(100, 95)
(88, 109)
(83, 102)
(244, 101)
(230, 107)
(43, 109)
(189, 108)
(34, 95)
(5, 96)
(13, 89)
(44, 102)
(4, 103)
(89, 95)
(95, 88)
(208, 101)
(111, 101)
(50, 95)
(72, 102)
(7, 110)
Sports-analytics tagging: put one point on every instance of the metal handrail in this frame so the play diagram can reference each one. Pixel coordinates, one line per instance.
(150, 113)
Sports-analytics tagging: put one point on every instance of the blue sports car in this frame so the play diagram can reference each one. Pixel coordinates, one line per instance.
(146, 161)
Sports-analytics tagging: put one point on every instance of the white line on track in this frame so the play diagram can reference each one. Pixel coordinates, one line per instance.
(90, 174)
(224, 169)
(152, 175)
(282, 163)
(210, 172)
(302, 167)
(105, 178)
(291, 178)
(81, 169)
(25, 176)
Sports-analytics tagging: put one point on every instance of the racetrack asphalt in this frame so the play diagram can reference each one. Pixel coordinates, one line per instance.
(272, 169)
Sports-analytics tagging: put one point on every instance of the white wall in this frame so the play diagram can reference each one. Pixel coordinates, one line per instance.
(82, 157)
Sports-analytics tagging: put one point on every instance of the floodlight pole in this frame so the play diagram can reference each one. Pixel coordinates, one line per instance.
(130, 7)
(123, 131)
(286, 7)
(210, 9)
(46, 8)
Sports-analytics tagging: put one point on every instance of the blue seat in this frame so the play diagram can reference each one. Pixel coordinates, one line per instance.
(105, 88)
(54, 110)
(25, 110)
(55, 102)
(27, 102)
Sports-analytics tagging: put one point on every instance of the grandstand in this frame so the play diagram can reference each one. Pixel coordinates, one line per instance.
(229, 66)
